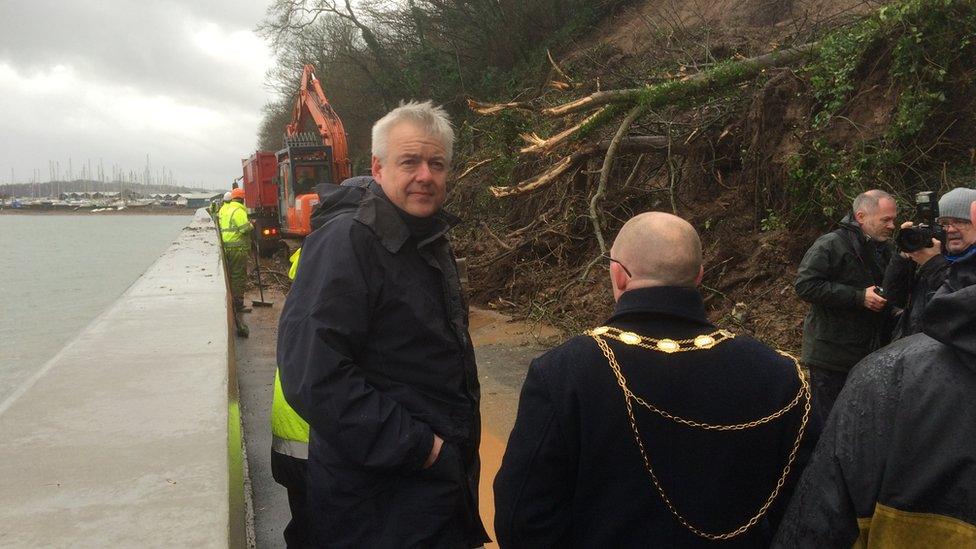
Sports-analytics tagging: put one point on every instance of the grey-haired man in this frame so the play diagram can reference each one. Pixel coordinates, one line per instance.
(374, 352)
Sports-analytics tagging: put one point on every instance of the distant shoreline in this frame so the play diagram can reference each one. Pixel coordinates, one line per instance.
(128, 211)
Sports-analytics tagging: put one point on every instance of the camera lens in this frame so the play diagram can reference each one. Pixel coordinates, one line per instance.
(914, 239)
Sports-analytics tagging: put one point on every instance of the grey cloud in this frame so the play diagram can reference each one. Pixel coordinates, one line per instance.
(145, 45)
(142, 45)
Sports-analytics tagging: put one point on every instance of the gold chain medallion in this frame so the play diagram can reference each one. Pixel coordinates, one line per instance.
(698, 343)
(701, 342)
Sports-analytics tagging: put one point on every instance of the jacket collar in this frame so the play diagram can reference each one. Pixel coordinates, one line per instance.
(379, 214)
(850, 223)
(966, 255)
(676, 301)
(852, 228)
(866, 248)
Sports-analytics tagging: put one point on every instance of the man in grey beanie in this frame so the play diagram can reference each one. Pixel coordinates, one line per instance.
(912, 278)
(954, 218)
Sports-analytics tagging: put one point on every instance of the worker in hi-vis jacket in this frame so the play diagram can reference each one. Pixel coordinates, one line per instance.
(235, 236)
(289, 453)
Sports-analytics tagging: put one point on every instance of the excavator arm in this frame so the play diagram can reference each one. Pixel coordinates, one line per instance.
(311, 104)
(311, 155)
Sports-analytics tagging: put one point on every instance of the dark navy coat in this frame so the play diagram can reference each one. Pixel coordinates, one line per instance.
(572, 475)
(374, 353)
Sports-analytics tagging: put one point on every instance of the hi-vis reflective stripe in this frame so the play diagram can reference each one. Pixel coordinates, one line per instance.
(291, 448)
(894, 528)
(233, 224)
(232, 230)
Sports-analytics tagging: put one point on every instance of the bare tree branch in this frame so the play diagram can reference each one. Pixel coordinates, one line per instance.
(472, 168)
(489, 109)
(605, 172)
(640, 144)
(539, 145)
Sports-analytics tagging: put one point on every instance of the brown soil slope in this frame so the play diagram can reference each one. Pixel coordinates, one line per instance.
(530, 254)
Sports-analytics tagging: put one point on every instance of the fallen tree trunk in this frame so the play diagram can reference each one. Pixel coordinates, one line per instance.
(660, 95)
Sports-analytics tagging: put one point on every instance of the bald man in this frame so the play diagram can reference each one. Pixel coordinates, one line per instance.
(712, 424)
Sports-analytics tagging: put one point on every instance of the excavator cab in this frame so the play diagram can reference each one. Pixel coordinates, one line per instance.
(303, 164)
(315, 153)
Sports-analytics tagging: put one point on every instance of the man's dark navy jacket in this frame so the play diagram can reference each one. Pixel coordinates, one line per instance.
(374, 353)
(572, 475)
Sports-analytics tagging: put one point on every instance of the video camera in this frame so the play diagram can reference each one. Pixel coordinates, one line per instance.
(925, 228)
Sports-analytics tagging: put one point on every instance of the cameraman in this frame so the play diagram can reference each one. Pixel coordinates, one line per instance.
(913, 277)
(910, 281)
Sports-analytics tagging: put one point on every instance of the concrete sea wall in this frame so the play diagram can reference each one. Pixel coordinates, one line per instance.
(130, 436)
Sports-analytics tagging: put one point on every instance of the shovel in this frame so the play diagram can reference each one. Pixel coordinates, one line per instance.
(257, 264)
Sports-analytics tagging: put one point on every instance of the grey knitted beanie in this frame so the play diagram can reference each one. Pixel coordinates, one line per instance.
(955, 203)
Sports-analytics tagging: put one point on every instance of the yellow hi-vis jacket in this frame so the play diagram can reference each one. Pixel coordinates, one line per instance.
(293, 270)
(289, 432)
(235, 229)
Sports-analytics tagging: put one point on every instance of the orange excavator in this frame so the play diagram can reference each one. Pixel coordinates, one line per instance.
(314, 152)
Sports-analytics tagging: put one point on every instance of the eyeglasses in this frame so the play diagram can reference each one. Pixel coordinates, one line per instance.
(956, 222)
(606, 255)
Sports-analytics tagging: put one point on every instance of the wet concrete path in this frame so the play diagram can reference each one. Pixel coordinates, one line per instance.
(503, 349)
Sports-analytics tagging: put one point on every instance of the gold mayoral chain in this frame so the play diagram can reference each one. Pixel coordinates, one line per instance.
(699, 343)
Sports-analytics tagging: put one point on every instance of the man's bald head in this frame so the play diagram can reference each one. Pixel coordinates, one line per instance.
(659, 249)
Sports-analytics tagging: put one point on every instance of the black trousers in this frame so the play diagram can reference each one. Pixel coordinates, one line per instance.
(292, 473)
(825, 385)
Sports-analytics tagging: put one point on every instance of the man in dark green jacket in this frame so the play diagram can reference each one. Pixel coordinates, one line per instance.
(839, 276)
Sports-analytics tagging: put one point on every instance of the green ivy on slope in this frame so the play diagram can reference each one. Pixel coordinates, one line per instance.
(930, 50)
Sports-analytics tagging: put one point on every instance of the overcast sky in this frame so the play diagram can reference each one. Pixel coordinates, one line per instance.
(179, 80)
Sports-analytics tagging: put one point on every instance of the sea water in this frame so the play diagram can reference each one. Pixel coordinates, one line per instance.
(58, 272)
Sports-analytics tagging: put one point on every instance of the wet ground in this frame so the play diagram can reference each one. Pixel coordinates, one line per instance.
(503, 348)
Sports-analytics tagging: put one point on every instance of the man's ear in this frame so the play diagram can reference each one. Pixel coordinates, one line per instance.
(618, 277)
(376, 169)
(972, 212)
(701, 275)
(860, 215)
